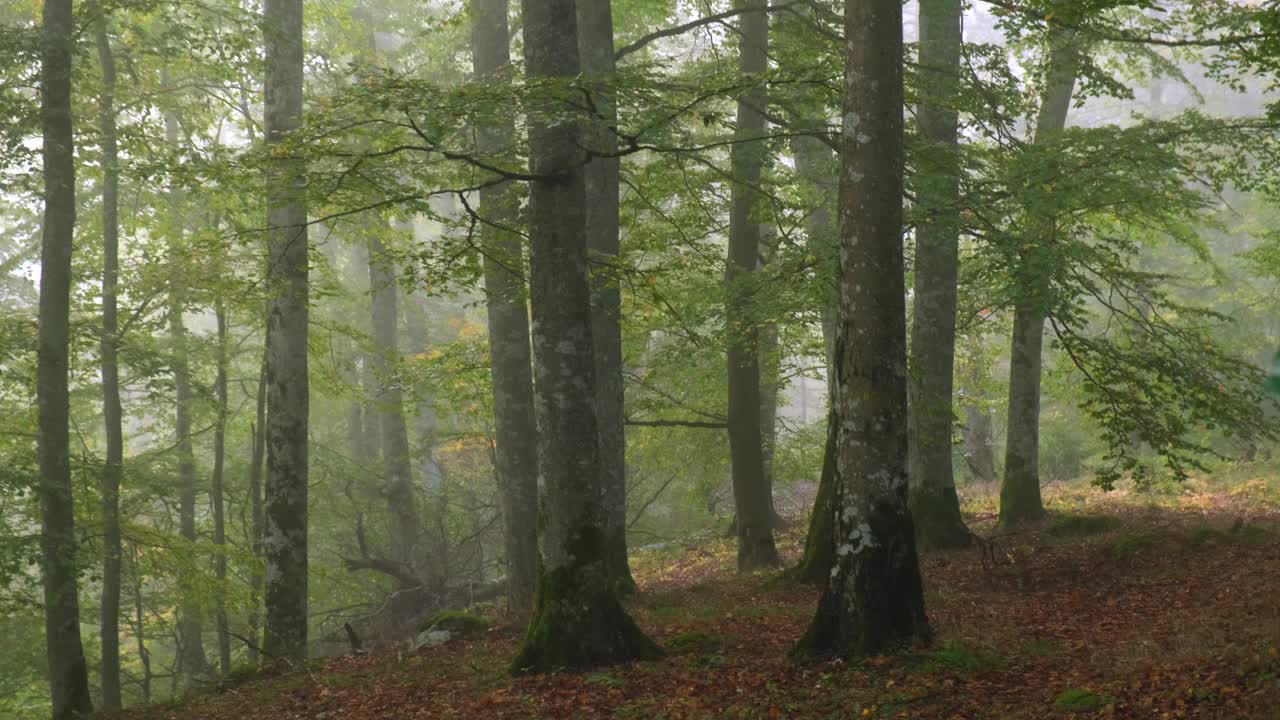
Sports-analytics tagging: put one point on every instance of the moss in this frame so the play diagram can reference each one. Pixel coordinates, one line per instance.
(964, 657)
(578, 622)
(1080, 700)
(694, 641)
(455, 621)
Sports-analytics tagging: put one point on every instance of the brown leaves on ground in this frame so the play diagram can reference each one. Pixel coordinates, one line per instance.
(1123, 612)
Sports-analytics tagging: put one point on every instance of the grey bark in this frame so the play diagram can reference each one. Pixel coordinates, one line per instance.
(216, 491)
(389, 403)
(874, 598)
(935, 506)
(257, 528)
(112, 413)
(752, 504)
(68, 673)
(285, 538)
(979, 444)
(1020, 492)
(595, 44)
(578, 621)
(192, 661)
(515, 432)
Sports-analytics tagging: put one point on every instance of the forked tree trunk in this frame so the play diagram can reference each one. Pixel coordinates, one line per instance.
(935, 506)
(1020, 493)
(68, 673)
(595, 43)
(754, 511)
(510, 362)
(112, 413)
(577, 621)
(874, 598)
(285, 540)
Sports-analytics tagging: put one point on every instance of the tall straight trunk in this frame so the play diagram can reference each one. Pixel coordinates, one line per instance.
(140, 629)
(68, 673)
(934, 503)
(510, 360)
(815, 165)
(362, 423)
(595, 44)
(285, 540)
(192, 661)
(979, 447)
(577, 620)
(216, 494)
(754, 511)
(1020, 492)
(393, 434)
(874, 598)
(770, 364)
(257, 527)
(112, 413)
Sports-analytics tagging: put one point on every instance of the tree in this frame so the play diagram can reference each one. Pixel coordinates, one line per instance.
(577, 620)
(595, 44)
(935, 506)
(285, 539)
(752, 504)
(112, 413)
(1020, 492)
(68, 673)
(874, 598)
(510, 362)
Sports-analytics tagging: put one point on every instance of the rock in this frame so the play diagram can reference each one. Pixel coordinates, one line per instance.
(431, 637)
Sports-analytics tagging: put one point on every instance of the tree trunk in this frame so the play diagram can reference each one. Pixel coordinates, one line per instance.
(192, 661)
(510, 364)
(874, 598)
(139, 629)
(935, 506)
(257, 531)
(112, 414)
(819, 543)
(595, 43)
(1020, 493)
(979, 447)
(68, 673)
(215, 492)
(393, 434)
(754, 517)
(770, 363)
(285, 539)
(577, 621)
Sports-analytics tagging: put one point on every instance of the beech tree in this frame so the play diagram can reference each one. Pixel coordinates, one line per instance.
(577, 621)
(68, 673)
(285, 534)
(874, 599)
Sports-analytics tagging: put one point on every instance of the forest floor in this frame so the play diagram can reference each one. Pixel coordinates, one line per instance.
(1119, 606)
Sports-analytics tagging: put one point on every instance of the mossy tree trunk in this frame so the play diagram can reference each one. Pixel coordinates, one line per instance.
(515, 433)
(1020, 500)
(578, 621)
(935, 506)
(873, 599)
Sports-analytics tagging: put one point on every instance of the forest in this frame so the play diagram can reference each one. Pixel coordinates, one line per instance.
(755, 359)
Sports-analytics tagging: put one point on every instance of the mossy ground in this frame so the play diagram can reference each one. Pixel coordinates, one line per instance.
(1171, 609)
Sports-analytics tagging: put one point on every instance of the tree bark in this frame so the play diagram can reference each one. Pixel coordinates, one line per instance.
(874, 598)
(216, 494)
(754, 517)
(510, 361)
(1020, 493)
(819, 543)
(257, 529)
(192, 661)
(577, 621)
(68, 673)
(285, 540)
(935, 506)
(112, 413)
(595, 44)
(393, 434)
